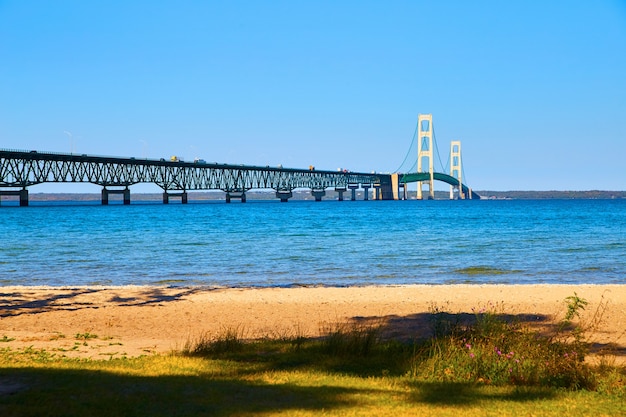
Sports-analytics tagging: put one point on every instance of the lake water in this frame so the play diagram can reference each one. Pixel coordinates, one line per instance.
(303, 243)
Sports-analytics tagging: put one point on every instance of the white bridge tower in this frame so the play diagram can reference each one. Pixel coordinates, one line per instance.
(425, 153)
(456, 169)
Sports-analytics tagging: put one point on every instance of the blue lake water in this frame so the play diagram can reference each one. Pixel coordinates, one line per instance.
(315, 243)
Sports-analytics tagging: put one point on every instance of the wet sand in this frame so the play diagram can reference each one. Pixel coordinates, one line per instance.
(105, 322)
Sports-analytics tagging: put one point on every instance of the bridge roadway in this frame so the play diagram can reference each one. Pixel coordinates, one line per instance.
(21, 169)
(438, 176)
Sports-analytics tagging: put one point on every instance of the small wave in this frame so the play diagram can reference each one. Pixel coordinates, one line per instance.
(452, 281)
(485, 270)
(196, 243)
(169, 281)
(578, 249)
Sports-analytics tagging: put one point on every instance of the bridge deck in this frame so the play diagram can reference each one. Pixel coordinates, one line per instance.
(22, 169)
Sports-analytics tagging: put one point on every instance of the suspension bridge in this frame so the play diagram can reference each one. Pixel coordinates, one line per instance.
(22, 169)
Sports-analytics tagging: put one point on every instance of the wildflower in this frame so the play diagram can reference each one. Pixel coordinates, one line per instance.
(471, 355)
(467, 345)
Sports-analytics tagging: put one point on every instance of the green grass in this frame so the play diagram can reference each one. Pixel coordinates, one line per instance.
(489, 365)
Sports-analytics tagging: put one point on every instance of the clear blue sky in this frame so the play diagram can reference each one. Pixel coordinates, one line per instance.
(535, 90)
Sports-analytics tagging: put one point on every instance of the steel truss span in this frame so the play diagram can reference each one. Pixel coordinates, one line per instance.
(21, 169)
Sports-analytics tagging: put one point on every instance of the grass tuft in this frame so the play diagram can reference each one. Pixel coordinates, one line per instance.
(350, 339)
(494, 349)
(229, 341)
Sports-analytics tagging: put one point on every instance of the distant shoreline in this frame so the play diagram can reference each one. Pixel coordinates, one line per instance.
(330, 195)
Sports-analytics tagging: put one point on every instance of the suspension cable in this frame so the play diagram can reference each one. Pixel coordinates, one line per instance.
(409, 151)
(437, 148)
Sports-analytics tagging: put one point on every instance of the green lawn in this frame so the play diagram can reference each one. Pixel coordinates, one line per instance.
(191, 386)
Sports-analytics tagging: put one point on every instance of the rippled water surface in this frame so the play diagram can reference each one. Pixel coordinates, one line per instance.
(315, 243)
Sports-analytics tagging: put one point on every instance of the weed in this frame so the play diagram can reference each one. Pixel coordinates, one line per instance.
(85, 336)
(354, 339)
(574, 305)
(494, 349)
(296, 338)
(230, 341)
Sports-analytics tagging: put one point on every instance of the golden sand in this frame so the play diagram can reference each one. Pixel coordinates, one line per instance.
(104, 322)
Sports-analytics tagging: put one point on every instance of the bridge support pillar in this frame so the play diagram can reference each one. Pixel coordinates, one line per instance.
(125, 195)
(284, 195)
(395, 187)
(22, 194)
(384, 189)
(240, 195)
(366, 191)
(318, 194)
(400, 189)
(352, 188)
(182, 195)
(23, 197)
(340, 192)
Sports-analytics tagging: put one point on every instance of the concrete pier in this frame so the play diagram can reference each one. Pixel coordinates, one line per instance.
(376, 192)
(105, 195)
(366, 191)
(182, 195)
(238, 195)
(398, 189)
(318, 194)
(284, 195)
(340, 191)
(22, 194)
(353, 188)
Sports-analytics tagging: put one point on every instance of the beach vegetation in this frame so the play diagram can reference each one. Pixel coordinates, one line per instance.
(484, 363)
(230, 340)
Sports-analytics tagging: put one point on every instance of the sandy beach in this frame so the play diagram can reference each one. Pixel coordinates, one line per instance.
(109, 322)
